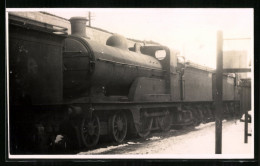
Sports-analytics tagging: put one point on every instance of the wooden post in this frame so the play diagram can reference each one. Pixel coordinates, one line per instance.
(246, 126)
(218, 94)
(89, 17)
(245, 105)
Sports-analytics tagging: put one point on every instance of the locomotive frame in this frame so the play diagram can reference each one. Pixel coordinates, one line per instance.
(115, 116)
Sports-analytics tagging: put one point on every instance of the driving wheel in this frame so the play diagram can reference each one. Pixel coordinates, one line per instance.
(144, 127)
(117, 127)
(165, 122)
(90, 131)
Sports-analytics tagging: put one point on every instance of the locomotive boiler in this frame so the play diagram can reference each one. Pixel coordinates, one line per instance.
(74, 87)
(109, 70)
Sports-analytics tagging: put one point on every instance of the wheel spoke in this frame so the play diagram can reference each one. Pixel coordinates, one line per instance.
(119, 118)
(116, 133)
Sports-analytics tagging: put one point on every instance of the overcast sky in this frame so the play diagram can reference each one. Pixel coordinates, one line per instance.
(191, 31)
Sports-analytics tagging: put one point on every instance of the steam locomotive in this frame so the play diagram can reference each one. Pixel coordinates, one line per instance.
(73, 88)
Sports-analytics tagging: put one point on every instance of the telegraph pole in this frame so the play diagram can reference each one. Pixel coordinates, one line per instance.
(218, 94)
(218, 99)
(89, 18)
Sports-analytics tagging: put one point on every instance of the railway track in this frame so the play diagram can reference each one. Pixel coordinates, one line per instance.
(182, 141)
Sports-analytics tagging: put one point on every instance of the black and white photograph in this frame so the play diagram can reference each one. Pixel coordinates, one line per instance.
(138, 83)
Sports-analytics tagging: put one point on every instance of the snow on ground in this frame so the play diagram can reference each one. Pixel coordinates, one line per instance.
(101, 150)
(190, 140)
(233, 139)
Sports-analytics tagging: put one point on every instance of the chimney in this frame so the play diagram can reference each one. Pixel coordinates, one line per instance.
(78, 26)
